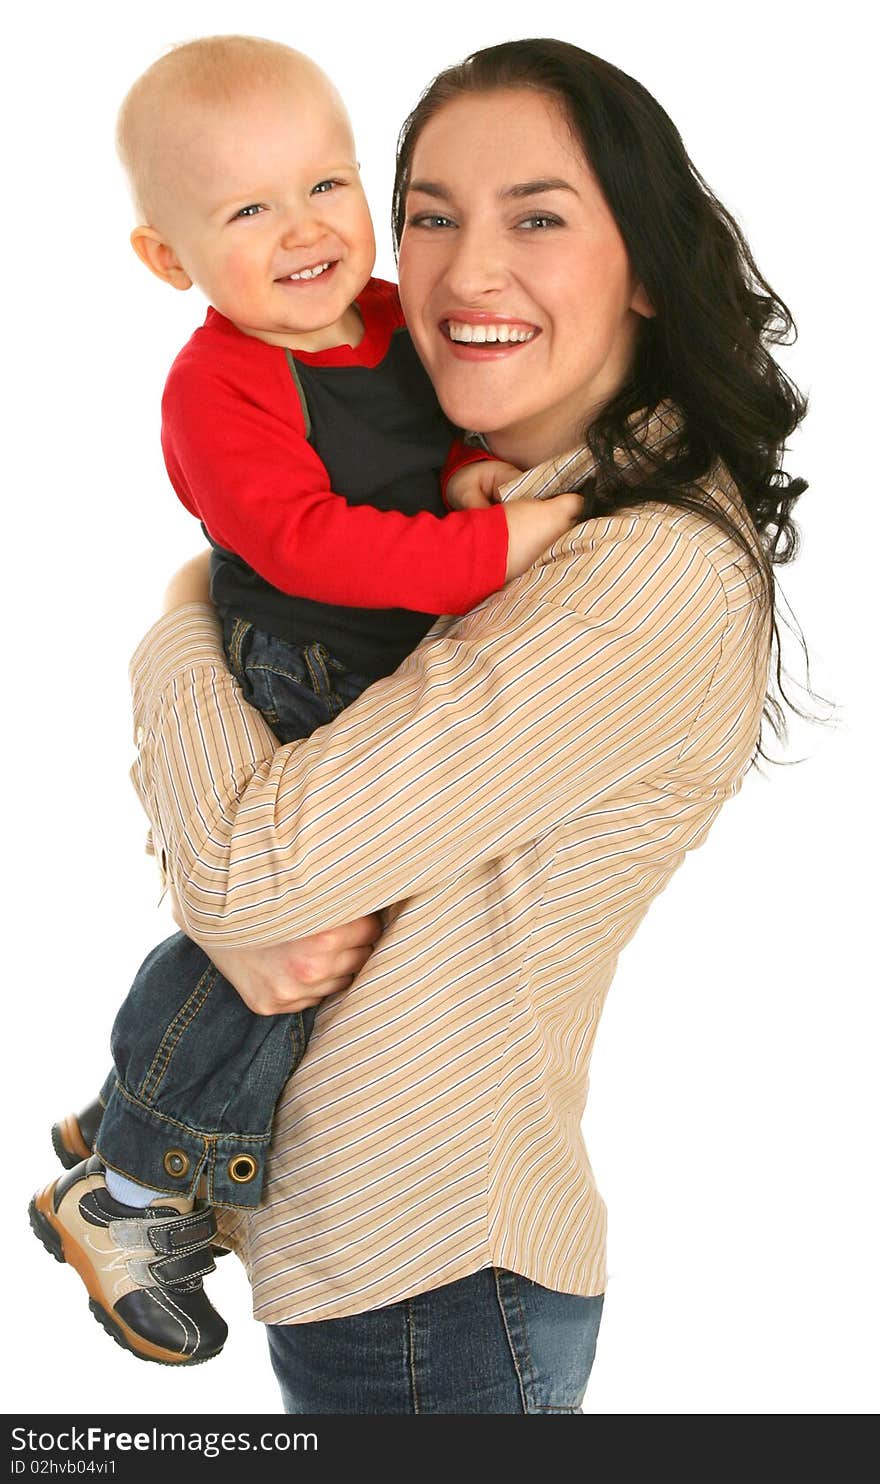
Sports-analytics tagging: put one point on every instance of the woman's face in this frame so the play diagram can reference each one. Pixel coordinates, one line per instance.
(514, 278)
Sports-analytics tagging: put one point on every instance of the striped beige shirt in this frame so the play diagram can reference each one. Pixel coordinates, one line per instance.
(514, 796)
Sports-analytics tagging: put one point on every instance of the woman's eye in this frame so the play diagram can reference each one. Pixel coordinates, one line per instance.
(430, 219)
(539, 221)
(246, 211)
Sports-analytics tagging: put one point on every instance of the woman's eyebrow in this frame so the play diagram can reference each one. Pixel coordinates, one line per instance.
(536, 188)
(515, 192)
(431, 188)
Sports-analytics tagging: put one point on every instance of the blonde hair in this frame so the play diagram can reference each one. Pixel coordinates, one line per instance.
(211, 72)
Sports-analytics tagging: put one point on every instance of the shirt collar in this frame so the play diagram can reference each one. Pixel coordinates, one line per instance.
(569, 469)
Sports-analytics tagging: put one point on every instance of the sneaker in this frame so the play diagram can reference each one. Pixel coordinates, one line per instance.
(143, 1269)
(73, 1137)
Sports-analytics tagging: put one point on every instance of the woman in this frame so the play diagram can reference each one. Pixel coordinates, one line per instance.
(516, 794)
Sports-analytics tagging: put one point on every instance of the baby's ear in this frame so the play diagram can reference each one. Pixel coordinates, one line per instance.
(160, 257)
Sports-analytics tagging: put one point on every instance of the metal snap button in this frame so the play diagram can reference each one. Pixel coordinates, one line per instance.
(176, 1163)
(242, 1168)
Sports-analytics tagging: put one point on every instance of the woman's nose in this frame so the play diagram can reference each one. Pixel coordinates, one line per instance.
(477, 264)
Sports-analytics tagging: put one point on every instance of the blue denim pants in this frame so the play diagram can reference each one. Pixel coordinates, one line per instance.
(196, 1073)
(492, 1342)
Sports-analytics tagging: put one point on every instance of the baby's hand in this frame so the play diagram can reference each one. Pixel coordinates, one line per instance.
(533, 525)
(476, 486)
(191, 583)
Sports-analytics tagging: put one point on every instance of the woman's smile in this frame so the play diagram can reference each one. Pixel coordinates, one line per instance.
(475, 336)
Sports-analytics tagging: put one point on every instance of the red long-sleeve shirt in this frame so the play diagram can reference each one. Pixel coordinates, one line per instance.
(235, 439)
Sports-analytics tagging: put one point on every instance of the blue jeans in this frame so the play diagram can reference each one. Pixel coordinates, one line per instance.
(492, 1342)
(196, 1074)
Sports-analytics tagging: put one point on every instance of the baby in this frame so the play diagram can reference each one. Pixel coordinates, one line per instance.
(300, 428)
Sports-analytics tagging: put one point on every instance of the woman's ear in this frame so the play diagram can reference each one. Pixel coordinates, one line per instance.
(160, 257)
(641, 304)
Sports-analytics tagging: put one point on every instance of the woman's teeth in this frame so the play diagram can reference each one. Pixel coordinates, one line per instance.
(488, 334)
(315, 272)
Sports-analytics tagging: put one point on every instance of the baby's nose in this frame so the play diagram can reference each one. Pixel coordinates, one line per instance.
(302, 229)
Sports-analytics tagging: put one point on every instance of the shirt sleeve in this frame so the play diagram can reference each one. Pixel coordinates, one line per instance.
(488, 735)
(459, 456)
(241, 465)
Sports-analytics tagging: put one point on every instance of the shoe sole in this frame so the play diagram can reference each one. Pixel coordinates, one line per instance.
(64, 1248)
(68, 1142)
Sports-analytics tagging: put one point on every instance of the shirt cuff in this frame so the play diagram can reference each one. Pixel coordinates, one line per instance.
(461, 456)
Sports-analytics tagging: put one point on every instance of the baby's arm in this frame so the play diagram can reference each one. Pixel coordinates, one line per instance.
(532, 525)
(242, 466)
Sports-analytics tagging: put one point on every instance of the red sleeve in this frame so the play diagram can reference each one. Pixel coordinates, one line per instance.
(387, 295)
(240, 463)
(459, 455)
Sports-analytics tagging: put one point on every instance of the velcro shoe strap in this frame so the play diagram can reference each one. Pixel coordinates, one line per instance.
(173, 1234)
(190, 1265)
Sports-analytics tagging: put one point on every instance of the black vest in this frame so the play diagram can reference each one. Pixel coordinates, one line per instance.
(383, 439)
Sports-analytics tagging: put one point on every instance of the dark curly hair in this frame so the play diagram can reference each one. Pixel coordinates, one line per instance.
(706, 349)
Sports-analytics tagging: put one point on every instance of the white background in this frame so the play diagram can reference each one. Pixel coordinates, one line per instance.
(730, 1118)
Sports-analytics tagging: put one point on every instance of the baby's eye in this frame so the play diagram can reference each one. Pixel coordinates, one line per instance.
(324, 186)
(253, 210)
(539, 221)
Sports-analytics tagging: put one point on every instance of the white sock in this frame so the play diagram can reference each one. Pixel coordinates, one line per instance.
(131, 1194)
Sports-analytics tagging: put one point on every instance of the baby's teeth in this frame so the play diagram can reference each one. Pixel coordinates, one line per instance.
(311, 272)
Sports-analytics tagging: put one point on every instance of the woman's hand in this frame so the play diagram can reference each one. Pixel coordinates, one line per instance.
(291, 976)
(190, 584)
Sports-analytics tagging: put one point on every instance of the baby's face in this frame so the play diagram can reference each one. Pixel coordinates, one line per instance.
(266, 212)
